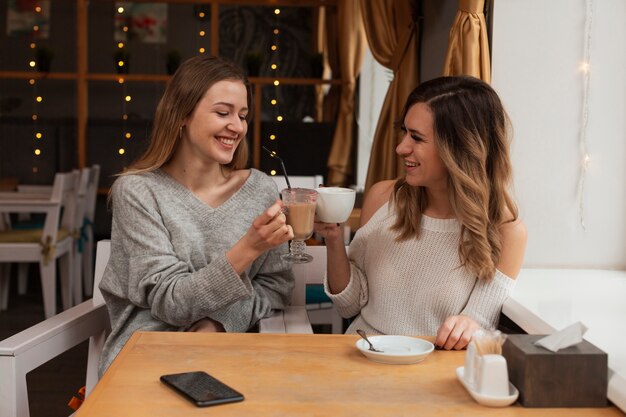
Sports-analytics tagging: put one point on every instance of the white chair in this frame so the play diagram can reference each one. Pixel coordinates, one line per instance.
(87, 228)
(82, 269)
(45, 245)
(27, 350)
(298, 317)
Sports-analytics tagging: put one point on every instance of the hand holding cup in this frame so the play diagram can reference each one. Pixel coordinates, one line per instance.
(334, 204)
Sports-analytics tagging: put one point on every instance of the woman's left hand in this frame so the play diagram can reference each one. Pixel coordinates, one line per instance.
(456, 332)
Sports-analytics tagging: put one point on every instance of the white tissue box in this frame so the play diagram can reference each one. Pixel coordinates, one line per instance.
(576, 376)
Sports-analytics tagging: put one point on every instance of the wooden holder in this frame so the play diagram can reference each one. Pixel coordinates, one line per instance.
(576, 376)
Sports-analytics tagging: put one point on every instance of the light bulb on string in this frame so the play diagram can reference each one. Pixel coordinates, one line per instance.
(584, 67)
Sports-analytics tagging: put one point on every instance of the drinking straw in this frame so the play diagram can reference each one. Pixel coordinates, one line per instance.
(273, 155)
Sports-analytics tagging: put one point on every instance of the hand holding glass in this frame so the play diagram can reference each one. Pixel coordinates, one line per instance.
(300, 211)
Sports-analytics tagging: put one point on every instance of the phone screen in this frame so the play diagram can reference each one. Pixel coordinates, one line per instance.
(201, 388)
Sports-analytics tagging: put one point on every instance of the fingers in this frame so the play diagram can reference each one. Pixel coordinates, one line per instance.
(270, 227)
(456, 332)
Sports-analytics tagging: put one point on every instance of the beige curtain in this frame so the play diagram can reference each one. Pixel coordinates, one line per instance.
(391, 34)
(350, 48)
(468, 44)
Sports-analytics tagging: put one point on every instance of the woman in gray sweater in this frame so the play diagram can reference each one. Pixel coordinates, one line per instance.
(196, 239)
(439, 248)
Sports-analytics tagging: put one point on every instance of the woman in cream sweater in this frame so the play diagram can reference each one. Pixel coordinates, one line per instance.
(439, 248)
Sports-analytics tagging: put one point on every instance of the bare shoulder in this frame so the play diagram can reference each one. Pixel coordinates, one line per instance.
(514, 237)
(376, 197)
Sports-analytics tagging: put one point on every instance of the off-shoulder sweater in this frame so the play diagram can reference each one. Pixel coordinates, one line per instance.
(410, 287)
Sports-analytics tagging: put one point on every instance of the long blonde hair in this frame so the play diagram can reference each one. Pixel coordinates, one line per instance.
(192, 79)
(471, 131)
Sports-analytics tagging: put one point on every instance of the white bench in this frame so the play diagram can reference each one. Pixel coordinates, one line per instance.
(545, 300)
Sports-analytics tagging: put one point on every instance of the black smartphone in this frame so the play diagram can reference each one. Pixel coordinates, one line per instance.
(202, 389)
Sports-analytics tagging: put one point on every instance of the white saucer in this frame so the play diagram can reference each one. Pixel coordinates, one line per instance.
(488, 400)
(396, 349)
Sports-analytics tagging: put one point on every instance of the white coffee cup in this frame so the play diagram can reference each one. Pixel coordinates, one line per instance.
(334, 204)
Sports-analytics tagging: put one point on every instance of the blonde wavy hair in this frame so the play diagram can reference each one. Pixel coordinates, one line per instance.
(471, 131)
(188, 85)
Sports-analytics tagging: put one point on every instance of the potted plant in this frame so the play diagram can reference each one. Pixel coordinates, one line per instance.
(253, 63)
(43, 57)
(316, 62)
(121, 60)
(172, 61)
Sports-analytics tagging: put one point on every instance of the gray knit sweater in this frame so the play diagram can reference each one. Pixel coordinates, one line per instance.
(410, 287)
(168, 267)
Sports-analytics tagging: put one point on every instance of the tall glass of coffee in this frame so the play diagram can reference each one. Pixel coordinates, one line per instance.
(300, 211)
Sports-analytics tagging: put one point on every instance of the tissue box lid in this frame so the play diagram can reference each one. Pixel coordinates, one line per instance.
(576, 376)
(526, 343)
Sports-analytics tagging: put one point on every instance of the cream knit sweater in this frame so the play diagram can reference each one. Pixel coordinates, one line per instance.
(410, 287)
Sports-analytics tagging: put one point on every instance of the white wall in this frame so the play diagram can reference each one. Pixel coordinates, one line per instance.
(538, 47)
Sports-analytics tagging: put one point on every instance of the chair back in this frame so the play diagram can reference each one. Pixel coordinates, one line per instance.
(96, 343)
(92, 192)
(311, 182)
(63, 199)
(87, 225)
(30, 348)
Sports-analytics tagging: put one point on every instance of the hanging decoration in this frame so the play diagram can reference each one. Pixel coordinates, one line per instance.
(585, 69)
(145, 22)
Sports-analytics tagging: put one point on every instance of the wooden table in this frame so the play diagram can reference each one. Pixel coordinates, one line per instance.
(289, 375)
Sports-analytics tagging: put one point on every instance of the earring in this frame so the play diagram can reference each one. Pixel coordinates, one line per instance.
(180, 132)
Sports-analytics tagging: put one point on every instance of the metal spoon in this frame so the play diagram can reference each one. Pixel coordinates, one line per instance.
(364, 336)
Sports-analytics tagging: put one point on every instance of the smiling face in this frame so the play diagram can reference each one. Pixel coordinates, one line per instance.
(418, 149)
(217, 124)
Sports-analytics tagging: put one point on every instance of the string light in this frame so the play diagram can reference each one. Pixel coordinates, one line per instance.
(585, 69)
(37, 134)
(122, 64)
(202, 19)
(273, 172)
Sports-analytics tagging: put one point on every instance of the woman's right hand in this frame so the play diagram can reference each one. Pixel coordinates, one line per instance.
(268, 230)
(331, 232)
